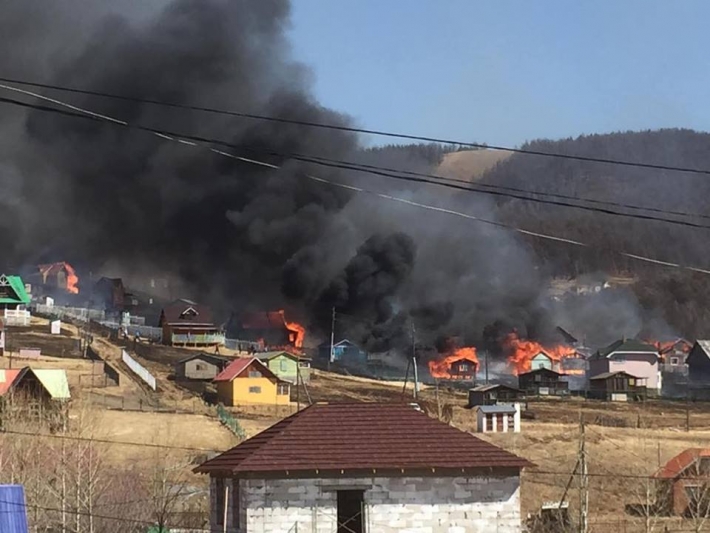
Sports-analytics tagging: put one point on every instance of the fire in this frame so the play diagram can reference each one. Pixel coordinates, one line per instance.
(442, 367)
(72, 279)
(522, 353)
(299, 332)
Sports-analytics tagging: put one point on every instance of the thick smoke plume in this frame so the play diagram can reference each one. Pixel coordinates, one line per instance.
(238, 236)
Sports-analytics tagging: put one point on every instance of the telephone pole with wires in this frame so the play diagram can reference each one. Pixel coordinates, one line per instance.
(583, 480)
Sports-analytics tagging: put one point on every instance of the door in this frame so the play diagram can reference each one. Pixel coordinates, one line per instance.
(351, 504)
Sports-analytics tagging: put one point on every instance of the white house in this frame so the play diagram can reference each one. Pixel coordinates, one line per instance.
(501, 418)
(631, 356)
(364, 467)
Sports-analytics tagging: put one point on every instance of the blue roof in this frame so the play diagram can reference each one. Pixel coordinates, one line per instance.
(13, 510)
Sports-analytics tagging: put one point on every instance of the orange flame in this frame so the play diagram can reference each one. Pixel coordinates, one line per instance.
(442, 368)
(522, 353)
(298, 332)
(664, 347)
(72, 279)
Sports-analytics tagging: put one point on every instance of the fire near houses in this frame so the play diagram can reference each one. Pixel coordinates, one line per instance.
(364, 467)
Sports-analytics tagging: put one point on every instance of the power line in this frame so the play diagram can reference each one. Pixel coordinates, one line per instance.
(381, 133)
(192, 141)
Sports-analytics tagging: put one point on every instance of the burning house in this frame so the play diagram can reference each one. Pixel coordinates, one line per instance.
(56, 278)
(459, 364)
(526, 355)
(268, 328)
(109, 294)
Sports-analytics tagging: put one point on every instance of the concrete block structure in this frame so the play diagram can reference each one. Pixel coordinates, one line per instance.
(360, 468)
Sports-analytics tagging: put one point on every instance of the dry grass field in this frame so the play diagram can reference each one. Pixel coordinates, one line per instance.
(470, 164)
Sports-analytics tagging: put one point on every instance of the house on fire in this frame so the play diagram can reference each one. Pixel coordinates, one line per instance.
(682, 488)
(674, 355)
(247, 380)
(109, 294)
(186, 323)
(56, 278)
(634, 357)
(266, 327)
(543, 382)
(542, 360)
(385, 467)
(287, 366)
(201, 367)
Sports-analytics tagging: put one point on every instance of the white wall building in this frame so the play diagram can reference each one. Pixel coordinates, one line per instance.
(364, 468)
(500, 418)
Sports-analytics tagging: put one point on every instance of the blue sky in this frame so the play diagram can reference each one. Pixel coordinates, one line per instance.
(504, 71)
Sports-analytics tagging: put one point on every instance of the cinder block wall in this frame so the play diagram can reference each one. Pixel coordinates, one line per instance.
(404, 504)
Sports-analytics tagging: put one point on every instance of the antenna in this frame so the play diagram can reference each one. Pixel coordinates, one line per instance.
(414, 362)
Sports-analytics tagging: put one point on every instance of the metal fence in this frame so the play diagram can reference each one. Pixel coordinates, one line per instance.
(76, 313)
(242, 346)
(139, 370)
(231, 423)
(146, 332)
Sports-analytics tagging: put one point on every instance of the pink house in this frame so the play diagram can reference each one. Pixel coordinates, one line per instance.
(634, 357)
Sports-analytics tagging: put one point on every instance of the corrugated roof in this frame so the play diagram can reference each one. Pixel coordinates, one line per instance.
(606, 375)
(626, 345)
(8, 378)
(673, 468)
(16, 286)
(360, 436)
(55, 381)
(494, 409)
(238, 366)
(267, 356)
(13, 509)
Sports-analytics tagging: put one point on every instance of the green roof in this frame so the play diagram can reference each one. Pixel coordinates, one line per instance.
(268, 356)
(12, 290)
(626, 345)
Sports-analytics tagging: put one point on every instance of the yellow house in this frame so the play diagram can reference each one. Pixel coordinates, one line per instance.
(248, 381)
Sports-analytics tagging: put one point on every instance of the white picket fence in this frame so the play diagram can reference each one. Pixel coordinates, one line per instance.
(17, 317)
(139, 370)
(77, 313)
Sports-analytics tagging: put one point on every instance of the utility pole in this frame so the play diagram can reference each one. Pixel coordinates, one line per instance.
(406, 377)
(485, 361)
(583, 480)
(414, 363)
(332, 338)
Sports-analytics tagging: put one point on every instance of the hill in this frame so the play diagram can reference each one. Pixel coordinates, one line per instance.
(470, 164)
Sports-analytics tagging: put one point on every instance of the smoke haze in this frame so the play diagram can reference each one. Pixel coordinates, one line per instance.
(238, 236)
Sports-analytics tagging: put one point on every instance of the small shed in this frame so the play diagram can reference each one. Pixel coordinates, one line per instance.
(498, 418)
(543, 382)
(492, 394)
(287, 366)
(200, 366)
(617, 387)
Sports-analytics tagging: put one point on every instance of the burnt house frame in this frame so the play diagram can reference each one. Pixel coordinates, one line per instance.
(543, 382)
(463, 369)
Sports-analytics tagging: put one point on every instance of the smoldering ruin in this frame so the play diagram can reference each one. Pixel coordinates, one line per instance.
(239, 236)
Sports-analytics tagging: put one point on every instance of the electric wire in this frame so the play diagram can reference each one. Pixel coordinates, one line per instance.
(192, 141)
(382, 133)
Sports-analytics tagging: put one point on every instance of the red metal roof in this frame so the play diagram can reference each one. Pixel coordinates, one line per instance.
(361, 436)
(238, 366)
(673, 468)
(8, 378)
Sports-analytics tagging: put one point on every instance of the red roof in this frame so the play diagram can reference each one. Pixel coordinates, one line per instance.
(8, 378)
(673, 468)
(238, 366)
(360, 436)
(187, 312)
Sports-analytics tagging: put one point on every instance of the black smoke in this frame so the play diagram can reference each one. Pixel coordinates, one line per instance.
(238, 236)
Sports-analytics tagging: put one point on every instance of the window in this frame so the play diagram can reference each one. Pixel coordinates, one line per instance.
(254, 374)
(283, 389)
(304, 364)
(283, 365)
(219, 500)
(632, 382)
(674, 360)
(254, 390)
(199, 367)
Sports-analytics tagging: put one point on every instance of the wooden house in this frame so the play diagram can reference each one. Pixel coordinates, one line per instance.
(634, 357)
(38, 394)
(698, 362)
(186, 323)
(543, 382)
(617, 387)
(542, 360)
(344, 352)
(498, 418)
(269, 328)
(287, 366)
(682, 485)
(249, 381)
(109, 294)
(493, 394)
(201, 366)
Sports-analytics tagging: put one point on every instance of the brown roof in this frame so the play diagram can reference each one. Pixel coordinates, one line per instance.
(175, 313)
(263, 320)
(673, 468)
(357, 436)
